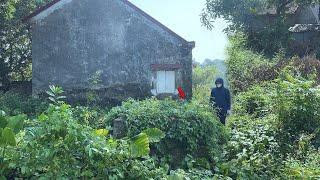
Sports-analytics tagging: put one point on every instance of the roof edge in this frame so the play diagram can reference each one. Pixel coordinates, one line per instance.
(39, 10)
(154, 20)
(47, 6)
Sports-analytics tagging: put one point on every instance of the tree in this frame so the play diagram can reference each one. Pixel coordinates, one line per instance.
(241, 13)
(15, 39)
(237, 11)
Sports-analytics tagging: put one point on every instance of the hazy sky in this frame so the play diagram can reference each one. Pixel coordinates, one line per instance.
(183, 17)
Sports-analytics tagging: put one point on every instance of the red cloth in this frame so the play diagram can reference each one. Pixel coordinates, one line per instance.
(182, 95)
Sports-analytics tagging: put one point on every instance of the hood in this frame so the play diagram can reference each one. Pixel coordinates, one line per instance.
(219, 81)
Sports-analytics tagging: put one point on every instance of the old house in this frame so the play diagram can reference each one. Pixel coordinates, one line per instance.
(108, 45)
(305, 31)
(303, 23)
(294, 15)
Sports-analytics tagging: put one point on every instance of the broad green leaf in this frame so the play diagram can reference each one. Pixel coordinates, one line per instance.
(154, 134)
(16, 123)
(139, 145)
(43, 117)
(52, 99)
(8, 136)
(102, 132)
(50, 93)
(3, 121)
(2, 141)
(176, 176)
(2, 113)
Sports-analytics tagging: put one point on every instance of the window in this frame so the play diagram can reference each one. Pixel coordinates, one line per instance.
(165, 82)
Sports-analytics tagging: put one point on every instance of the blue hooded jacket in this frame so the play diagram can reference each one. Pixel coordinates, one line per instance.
(220, 97)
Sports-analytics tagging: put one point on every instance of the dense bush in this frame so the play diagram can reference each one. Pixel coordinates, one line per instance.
(252, 151)
(57, 146)
(303, 168)
(257, 101)
(190, 128)
(242, 64)
(203, 79)
(59, 143)
(298, 108)
(14, 104)
(247, 68)
(268, 126)
(93, 117)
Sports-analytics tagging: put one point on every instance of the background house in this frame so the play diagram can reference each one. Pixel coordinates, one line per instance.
(303, 23)
(110, 45)
(306, 30)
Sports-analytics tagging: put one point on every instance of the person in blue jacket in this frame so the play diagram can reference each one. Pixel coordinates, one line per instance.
(221, 100)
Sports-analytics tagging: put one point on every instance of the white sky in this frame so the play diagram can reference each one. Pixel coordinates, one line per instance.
(183, 17)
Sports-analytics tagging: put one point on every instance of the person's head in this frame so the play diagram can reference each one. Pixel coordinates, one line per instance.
(219, 82)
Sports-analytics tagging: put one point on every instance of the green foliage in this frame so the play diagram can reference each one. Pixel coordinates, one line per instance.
(9, 127)
(274, 129)
(203, 79)
(55, 94)
(203, 76)
(267, 33)
(193, 174)
(243, 63)
(252, 151)
(298, 108)
(190, 128)
(139, 145)
(257, 101)
(154, 134)
(7, 137)
(14, 104)
(57, 146)
(307, 168)
(15, 39)
(90, 116)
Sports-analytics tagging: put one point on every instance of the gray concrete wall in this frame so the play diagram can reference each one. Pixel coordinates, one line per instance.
(72, 43)
(307, 15)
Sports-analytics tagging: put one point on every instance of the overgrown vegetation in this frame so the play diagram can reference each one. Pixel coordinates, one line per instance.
(265, 22)
(15, 40)
(192, 131)
(275, 123)
(273, 133)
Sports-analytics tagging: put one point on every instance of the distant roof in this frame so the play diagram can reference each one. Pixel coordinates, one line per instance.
(53, 2)
(299, 28)
(292, 8)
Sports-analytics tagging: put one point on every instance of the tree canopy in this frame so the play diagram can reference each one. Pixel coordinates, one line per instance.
(15, 39)
(241, 14)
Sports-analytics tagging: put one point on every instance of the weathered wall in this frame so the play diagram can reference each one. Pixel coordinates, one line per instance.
(307, 15)
(70, 44)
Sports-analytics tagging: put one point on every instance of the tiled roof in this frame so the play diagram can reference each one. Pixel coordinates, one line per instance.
(297, 28)
(292, 8)
(53, 2)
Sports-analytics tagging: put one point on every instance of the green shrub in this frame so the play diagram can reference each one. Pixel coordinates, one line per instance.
(93, 117)
(203, 79)
(9, 127)
(257, 101)
(252, 151)
(14, 104)
(58, 146)
(242, 63)
(298, 108)
(192, 174)
(304, 163)
(190, 128)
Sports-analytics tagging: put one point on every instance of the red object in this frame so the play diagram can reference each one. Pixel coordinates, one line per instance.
(182, 95)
